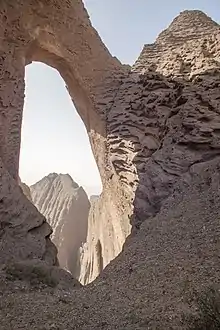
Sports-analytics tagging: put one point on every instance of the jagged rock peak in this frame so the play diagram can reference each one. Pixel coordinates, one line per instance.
(65, 205)
(189, 24)
(64, 179)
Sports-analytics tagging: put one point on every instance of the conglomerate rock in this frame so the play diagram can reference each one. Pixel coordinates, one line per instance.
(155, 136)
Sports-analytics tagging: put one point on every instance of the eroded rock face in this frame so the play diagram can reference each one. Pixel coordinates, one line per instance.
(26, 190)
(158, 155)
(150, 284)
(24, 232)
(163, 120)
(107, 231)
(37, 31)
(87, 234)
(65, 205)
(170, 117)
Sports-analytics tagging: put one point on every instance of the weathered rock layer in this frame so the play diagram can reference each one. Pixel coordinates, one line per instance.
(107, 231)
(65, 205)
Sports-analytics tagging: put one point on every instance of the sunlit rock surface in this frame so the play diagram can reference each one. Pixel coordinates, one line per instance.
(65, 205)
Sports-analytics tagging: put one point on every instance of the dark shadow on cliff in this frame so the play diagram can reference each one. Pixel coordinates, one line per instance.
(180, 125)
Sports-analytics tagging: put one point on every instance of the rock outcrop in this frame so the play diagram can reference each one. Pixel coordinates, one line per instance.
(155, 136)
(65, 205)
(24, 232)
(163, 120)
(26, 190)
(107, 232)
(85, 235)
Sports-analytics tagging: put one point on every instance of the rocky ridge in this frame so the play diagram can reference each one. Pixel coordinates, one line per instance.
(170, 119)
(105, 238)
(66, 207)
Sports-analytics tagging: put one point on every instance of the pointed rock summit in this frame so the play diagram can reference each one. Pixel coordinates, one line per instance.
(65, 205)
(188, 47)
(189, 24)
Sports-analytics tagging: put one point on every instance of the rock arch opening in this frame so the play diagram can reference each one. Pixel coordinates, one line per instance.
(93, 78)
(54, 141)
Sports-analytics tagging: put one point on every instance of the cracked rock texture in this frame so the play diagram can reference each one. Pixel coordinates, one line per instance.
(154, 131)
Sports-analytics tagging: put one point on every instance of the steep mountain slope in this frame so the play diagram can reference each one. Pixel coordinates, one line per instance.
(65, 205)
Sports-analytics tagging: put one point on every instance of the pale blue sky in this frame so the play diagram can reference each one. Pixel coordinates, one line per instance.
(54, 138)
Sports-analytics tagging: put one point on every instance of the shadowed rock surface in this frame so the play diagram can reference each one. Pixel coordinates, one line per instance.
(25, 189)
(155, 136)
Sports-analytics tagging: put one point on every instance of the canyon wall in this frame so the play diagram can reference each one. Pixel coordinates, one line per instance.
(163, 120)
(107, 231)
(85, 235)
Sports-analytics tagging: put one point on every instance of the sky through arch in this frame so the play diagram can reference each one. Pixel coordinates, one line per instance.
(54, 138)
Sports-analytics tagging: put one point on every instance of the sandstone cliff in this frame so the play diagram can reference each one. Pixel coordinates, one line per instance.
(65, 205)
(107, 232)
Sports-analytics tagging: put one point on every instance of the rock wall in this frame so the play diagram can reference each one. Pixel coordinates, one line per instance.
(107, 231)
(87, 236)
(83, 233)
(163, 120)
(24, 232)
(26, 190)
(170, 115)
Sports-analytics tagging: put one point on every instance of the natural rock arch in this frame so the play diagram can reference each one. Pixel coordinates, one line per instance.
(36, 31)
(126, 113)
(161, 123)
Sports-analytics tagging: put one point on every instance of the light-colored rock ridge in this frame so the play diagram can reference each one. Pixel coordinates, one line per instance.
(65, 205)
